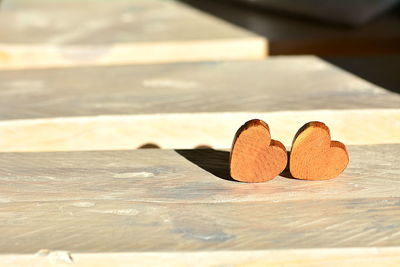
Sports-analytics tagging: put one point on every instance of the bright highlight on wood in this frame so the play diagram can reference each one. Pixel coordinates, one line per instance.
(314, 156)
(255, 157)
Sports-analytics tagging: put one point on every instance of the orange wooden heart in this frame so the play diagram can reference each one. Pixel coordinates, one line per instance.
(314, 156)
(255, 157)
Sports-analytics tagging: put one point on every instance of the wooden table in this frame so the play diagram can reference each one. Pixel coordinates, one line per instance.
(178, 207)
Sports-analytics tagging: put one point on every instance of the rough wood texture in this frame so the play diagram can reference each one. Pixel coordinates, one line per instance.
(74, 32)
(255, 157)
(314, 156)
(119, 203)
(101, 107)
(125, 175)
(277, 84)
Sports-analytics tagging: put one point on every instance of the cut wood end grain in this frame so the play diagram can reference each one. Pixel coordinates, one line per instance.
(314, 156)
(255, 157)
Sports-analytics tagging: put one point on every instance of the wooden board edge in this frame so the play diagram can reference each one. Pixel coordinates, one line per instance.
(380, 256)
(116, 132)
(14, 56)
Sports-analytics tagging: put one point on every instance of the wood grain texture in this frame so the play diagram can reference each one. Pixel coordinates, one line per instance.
(124, 203)
(73, 33)
(255, 157)
(99, 108)
(134, 175)
(314, 156)
(277, 84)
(123, 226)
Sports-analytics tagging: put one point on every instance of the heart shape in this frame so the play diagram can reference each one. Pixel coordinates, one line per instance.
(314, 156)
(255, 157)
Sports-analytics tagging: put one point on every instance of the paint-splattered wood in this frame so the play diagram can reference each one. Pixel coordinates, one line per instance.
(124, 107)
(174, 201)
(72, 32)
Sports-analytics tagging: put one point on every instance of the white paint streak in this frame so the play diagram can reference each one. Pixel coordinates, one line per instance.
(123, 212)
(83, 204)
(56, 257)
(133, 175)
(170, 83)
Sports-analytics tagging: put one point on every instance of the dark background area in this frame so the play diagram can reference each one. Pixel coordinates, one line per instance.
(370, 51)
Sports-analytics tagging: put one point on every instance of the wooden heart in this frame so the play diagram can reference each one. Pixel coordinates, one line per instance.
(255, 157)
(314, 156)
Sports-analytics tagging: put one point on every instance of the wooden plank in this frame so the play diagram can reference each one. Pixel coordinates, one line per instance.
(124, 107)
(291, 35)
(73, 32)
(132, 176)
(277, 84)
(102, 204)
(123, 226)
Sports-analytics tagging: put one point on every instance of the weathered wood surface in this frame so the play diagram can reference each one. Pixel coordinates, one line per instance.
(128, 106)
(277, 84)
(170, 176)
(173, 201)
(290, 35)
(72, 32)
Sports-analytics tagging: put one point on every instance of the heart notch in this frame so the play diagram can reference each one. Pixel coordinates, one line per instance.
(314, 156)
(255, 157)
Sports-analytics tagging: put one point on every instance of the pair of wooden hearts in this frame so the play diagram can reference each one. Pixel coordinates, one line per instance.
(255, 157)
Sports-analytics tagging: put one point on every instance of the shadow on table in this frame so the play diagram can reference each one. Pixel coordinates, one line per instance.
(214, 161)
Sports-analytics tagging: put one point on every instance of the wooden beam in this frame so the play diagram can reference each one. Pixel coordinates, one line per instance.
(71, 33)
(124, 107)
